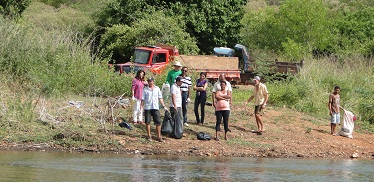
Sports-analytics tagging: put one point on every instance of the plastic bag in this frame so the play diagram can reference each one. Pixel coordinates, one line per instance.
(167, 124)
(178, 125)
(348, 124)
(165, 91)
(203, 136)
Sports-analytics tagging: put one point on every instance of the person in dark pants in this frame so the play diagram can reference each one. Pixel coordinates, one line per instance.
(185, 89)
(222, 109)
(200, 99)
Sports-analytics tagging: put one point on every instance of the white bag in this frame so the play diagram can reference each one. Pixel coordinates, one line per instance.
(165, 91)
(348, 124)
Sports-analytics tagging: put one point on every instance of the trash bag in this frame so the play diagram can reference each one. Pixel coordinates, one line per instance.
(165, 91)
(203, 136)
(123, 124)
(167, 124)
(348, 124)
(178, 125)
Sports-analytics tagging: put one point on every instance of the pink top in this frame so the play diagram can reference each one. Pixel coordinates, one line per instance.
(137, 87)
(222, 104)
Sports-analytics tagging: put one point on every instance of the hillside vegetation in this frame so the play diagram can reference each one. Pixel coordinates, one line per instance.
(55, 51)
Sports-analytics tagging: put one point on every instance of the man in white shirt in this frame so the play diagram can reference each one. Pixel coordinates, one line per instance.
(150, 98)
(176, 98)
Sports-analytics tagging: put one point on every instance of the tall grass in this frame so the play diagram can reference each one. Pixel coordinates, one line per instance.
(310, 90)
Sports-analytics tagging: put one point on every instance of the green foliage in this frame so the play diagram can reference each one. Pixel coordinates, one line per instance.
(53, 62)
(356, 29)
(296, 28)
(213, 23)
(62, 18)
(208, 24)
(13, 9)
(151, 29)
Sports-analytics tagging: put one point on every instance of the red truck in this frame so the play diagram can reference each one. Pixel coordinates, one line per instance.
(155, 59)
(152, 58)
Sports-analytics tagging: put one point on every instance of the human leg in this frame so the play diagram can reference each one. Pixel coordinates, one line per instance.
(184, 106)
(135, 112)
(225, 115)
(335, 119)
(157, 121)
(218, 122)
(147, 114)
(202, 103)
(258, 118)
(196, 109)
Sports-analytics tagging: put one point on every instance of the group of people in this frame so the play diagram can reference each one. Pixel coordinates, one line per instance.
(147, 97)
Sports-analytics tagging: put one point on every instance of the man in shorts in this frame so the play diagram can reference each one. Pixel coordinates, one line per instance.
(334, 107)
(150, 99)
(260, 94)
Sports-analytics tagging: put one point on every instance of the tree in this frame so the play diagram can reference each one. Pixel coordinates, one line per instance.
(211, 23)
(13, 9)
(120, 40)
(297, 22)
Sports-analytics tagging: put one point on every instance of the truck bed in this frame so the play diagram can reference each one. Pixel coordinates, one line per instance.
(213, 66)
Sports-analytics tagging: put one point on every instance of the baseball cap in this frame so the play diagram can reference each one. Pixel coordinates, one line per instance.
(150, 79)
(257, 78)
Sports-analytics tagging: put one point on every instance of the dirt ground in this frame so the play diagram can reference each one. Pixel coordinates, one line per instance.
(288, 134)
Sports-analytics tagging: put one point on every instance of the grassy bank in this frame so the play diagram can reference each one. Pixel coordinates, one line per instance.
(44, 67)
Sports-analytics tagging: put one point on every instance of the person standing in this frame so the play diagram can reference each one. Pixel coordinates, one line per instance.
(200, 99)
(150, 102)
(222, 107)
(334, 108)
(172, 74)
(217, 86)
(176, 99)
(185, 89)
(138, 84)
(260, 94)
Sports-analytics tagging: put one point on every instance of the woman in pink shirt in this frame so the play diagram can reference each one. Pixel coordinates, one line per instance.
(222, 109)
(138, 84)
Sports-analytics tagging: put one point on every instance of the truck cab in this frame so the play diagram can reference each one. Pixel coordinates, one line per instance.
(152, 58)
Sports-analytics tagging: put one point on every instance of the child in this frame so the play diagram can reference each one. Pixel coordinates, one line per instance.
(334, 107)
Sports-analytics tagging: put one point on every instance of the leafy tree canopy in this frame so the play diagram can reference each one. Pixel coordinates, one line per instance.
(13, 9)
(119, 40)
(211, 23)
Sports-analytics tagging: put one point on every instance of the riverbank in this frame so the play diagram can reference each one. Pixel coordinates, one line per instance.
(288, 134)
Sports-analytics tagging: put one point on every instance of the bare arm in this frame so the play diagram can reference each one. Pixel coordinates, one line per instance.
(249, 100)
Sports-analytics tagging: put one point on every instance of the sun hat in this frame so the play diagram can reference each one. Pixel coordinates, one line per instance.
(177, 63)
(257, 78)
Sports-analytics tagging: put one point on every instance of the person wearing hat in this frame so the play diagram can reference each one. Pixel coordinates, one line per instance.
(172, 74)
(260, 94)
(150, 102)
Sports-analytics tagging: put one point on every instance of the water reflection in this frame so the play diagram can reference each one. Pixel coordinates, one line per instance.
(39, 166)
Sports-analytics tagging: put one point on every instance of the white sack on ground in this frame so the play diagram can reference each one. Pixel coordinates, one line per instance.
(348, 124)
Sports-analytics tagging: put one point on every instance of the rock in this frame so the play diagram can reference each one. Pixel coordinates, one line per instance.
(354, 155)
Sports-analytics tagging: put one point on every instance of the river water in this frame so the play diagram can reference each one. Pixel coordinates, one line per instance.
(59, 166)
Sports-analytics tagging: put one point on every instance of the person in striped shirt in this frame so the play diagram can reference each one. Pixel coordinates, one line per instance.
(185, 89)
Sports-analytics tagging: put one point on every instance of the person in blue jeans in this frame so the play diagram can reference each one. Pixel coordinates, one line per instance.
(200, 99)
(185, 89)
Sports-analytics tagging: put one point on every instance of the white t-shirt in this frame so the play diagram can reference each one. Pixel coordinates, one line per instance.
(178, 95)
